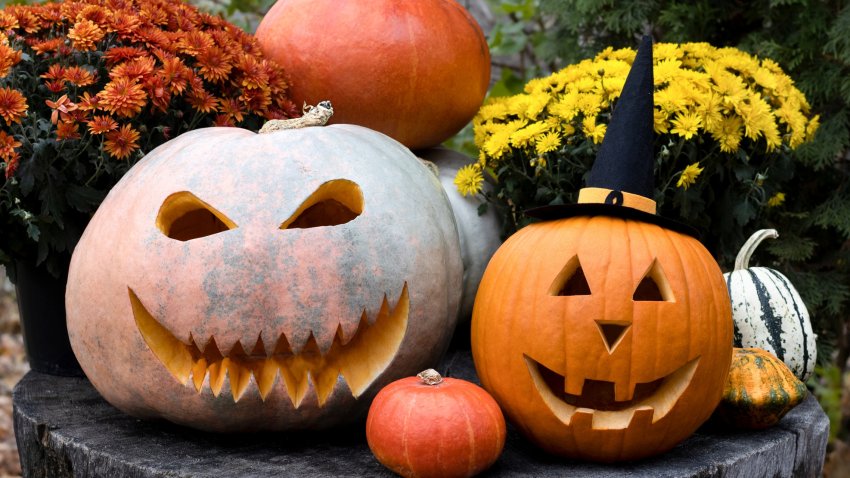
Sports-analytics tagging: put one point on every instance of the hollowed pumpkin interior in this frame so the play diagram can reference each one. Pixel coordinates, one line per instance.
(335, 202)
(183, 216)
(358, 359)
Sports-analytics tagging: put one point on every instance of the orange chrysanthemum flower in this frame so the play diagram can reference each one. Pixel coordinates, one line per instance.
(8, 21)
(194, 42)
(13, 105)
(67, 130)
(214, 64)
(8, 143)
(232, 108)
(85, 34)
(223, 120)
(97, 15)
(257, 100)
(176, 74)
(61, 108)
(254, 74)
(123, 53)
(78, 76)
(54, 72)
(124, 97)
(9, 57)
(101, 124)
(48, 46)
(123, 23)
(121, 142)
(158, 92)
(202, 101)
(88, 102)
(137, 69)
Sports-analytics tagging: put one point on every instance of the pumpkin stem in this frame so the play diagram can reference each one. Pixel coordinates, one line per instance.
(742, 261)
(312, 116)
(430, 377)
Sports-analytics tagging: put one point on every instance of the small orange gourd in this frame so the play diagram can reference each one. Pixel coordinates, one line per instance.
(429, 426)
(760, 390)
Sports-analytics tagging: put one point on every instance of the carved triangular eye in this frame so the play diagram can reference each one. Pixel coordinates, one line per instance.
(335, 202)
(654, 286)
(571, 280)
(183, 216)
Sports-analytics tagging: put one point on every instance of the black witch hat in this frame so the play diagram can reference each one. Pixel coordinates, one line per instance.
(622, 177)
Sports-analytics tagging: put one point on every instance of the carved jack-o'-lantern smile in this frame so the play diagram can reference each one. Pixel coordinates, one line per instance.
(610, 405)
(359, 357)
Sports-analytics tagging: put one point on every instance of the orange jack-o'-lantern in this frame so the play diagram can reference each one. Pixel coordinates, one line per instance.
(234, 281)
(605, 333)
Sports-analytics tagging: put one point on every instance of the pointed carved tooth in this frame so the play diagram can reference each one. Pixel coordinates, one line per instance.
(266, 373)
(294, 370)
(199, 372)
(240, 376)
(173, 353)
(624, 391)
(325, 381)
(218, 371)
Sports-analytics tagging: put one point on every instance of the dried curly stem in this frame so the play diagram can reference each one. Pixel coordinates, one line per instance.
(313, 116)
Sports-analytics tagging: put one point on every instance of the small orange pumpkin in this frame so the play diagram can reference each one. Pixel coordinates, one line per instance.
(429, 426)
(416, 71)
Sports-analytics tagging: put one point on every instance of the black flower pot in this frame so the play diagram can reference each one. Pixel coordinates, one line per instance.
(41, 302)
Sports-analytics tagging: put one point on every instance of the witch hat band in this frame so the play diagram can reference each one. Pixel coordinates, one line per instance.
(621, 180)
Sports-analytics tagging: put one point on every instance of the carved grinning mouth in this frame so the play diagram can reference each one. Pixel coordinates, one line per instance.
(654, 399)
(359, 359)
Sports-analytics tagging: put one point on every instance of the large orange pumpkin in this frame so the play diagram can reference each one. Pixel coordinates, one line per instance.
(234, 281)
(601, 337)
(414, 70)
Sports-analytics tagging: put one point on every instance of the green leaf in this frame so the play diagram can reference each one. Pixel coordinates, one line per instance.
(82, 198)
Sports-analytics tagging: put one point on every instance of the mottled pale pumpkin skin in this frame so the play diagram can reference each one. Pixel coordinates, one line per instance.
(258, 278)
(414, 70)
(760, 390)
(480, 234)
(515, 315)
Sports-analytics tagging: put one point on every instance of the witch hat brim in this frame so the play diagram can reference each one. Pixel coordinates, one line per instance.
(621, 180)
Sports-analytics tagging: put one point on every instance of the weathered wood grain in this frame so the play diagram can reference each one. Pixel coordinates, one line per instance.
(64, 429)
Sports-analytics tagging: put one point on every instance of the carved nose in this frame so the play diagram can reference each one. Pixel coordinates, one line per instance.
(612, 333)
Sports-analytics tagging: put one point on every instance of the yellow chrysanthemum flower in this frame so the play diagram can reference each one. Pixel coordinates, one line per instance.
(689, 176)
(686, 125)
(548, 142)
(593, 130)
(776, 200)
(469, 179)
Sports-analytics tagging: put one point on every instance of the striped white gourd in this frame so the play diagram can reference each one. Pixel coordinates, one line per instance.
(769, 313)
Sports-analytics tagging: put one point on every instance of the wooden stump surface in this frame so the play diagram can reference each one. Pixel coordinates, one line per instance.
(65, 429)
